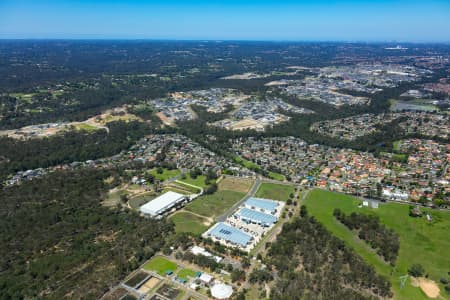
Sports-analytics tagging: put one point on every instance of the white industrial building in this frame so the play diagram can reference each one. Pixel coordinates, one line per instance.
(221, 291)
(162, 204)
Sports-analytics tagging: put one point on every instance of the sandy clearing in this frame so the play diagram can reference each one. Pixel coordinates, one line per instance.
(429, 287)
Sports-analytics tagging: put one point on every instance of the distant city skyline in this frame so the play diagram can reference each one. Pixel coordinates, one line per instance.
(365, 21)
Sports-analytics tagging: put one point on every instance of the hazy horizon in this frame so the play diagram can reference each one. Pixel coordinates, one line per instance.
(266, 20)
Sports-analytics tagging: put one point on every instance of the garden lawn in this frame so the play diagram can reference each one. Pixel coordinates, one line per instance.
(421, 241)
(275, 191)
(276, 176)
(186, 222)
(215, 204)
(160, 265)
(246, 163)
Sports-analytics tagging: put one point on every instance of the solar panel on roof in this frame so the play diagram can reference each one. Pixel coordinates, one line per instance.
(261, 203)
(230, 234)
(256, 216)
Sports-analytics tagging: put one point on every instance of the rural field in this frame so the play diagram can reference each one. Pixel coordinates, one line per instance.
(215, 204)
(421, 242)
(138, 201)
(198, 215)
(187, 222)
(242, 185)
(275, 191)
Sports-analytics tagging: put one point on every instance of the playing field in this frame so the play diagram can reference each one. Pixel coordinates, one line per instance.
(275, 191)
(166, 174)
(242, 185)
(215, 204)
(420, 241)
(160, 265)
(185, 273)
(186, 222)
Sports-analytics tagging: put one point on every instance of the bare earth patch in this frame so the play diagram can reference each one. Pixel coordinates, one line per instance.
(149, 284)
(429, 287)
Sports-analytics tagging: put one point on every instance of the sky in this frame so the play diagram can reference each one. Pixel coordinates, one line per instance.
(382, 20)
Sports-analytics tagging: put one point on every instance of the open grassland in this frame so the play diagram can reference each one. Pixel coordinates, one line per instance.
(140, 200)
(187, 222)
(215, 204)
(24, 97)
(422, 242)
(86, 127)
(185, 186)
(198, 181)
(275, 191)
(166, 174)
(176, 190)
(242, 185)
(160, 265)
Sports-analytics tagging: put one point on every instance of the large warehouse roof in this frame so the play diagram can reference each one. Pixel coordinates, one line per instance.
(161, 204)
(260, 203)
(230, 234)
(256, 216)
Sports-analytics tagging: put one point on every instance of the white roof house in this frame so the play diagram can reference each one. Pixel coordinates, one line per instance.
(221, 291)
(161, 204)
(196, 250)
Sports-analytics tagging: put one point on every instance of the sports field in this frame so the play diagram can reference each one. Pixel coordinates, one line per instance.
(185, 273)
(420, 241)
(275, 191)
(160, 265)
(187, 222)
(215, 204)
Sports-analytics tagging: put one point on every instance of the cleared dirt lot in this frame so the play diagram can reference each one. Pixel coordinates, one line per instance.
(149, 284)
